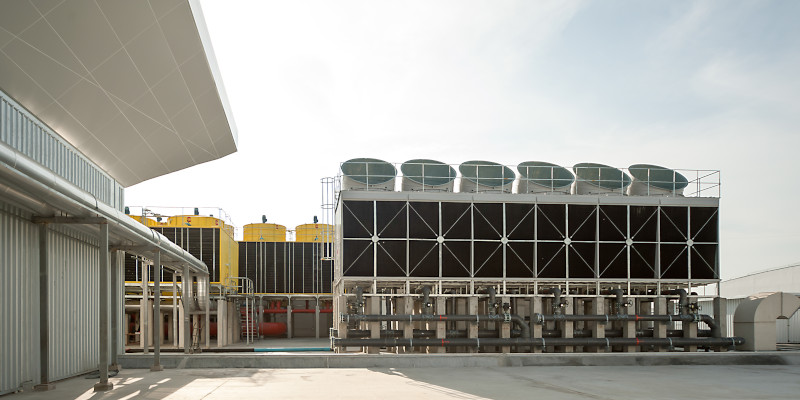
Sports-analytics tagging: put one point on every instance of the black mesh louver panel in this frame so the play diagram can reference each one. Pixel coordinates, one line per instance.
(280, 267)
(131, 274)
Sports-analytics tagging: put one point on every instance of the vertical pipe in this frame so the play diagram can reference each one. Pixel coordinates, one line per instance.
(104, 384)
(316, 317)
(289, 330)
(157, 312)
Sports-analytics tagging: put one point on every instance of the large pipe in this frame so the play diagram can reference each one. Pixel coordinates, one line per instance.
(541, 342)
(558, 304)
(526, 331)
(492, 298)
(490, 333)
(359, 297)
(684, 299)
(426, 299)
(620, 298)
(541, 318)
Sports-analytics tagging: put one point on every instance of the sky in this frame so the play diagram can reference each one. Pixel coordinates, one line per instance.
(709, 85)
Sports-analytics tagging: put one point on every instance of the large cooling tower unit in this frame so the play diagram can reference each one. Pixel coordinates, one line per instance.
(487, 270)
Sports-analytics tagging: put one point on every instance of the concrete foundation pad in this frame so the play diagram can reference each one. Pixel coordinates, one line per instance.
(156, 368)
(102, 387)
(44, 387)
(327, 360)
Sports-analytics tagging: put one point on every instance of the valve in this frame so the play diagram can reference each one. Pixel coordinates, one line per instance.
(693, 307)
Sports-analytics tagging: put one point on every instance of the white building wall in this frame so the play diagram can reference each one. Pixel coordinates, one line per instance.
(784, 279)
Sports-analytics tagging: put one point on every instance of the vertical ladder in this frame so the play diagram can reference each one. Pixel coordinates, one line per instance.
(248, 322)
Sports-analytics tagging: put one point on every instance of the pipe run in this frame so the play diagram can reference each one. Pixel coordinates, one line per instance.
(34, 180)
(523, 326)
(541, 318)
(490, 333)
(542, 342)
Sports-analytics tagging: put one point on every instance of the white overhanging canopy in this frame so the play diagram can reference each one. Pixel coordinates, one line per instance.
(133, 85)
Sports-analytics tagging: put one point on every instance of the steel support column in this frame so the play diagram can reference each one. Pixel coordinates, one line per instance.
(116, 295)
(157, 313)
(186, 280)
(44, 323)
(104, 384)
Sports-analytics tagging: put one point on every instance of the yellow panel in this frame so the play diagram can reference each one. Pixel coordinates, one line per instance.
(147, 221)
(228, 255)
(264, 233)
(314, 233)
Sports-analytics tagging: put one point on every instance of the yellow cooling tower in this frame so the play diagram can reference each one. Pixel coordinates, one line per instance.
(149, 222)
(264, 233)
(314, 233)
(195, 221)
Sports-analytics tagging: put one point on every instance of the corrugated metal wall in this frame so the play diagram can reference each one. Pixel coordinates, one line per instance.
(73, 301)
(19, 300)
(25, 133)
(74, 320)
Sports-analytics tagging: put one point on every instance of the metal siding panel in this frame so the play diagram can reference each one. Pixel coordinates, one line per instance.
(794, 328)
(19, 294)
(74, 320)
(21, 130)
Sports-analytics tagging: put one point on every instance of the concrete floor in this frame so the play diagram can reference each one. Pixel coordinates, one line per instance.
(563, 383)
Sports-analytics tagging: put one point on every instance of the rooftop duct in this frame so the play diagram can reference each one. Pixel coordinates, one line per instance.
(543, 177)
(368, 174)
(481, 176)
(652, 180)
(421, 175)
(599, 179)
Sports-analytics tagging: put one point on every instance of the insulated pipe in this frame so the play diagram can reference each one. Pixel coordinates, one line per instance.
(43, 184)
(542, 342)
(526, 331)
(557, 303)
